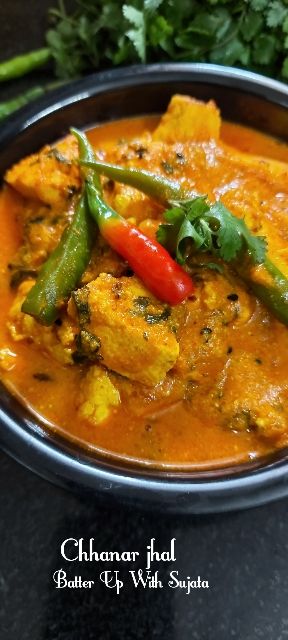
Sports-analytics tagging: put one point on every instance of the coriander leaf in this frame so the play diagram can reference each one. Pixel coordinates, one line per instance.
(167, 236)
(175, 215)
(233, 236)
(159, 33)
(256, 245)
(214, 24)
(276, 14)
(230, 53)
(191, 208)
(228, 238)
(265, 49)
(152, 5)
(138, 41)
(251, 25)
(223, 23)
(285, 68)
(134, 16)
(137, 35)
(191, 51)
(122, 53)
(285, 25)
(197, 207)
(259, 5)
(187, 230)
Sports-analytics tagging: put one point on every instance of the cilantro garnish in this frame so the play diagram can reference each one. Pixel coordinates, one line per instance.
(195, 225)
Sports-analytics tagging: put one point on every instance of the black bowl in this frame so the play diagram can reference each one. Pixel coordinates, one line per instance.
(242, 97)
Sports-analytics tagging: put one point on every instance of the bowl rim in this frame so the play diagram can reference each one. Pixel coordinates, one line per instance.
(133, 75)
(38, 452)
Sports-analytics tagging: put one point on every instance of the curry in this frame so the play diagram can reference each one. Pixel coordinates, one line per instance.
(156, 327)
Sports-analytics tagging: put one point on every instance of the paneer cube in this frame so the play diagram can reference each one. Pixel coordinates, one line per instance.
(187, 119)
(260, 404)
(50, 176)
(58, 341)
(98, 396)
(130, 331)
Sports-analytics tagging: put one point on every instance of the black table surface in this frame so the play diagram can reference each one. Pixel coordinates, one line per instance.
(242, 555)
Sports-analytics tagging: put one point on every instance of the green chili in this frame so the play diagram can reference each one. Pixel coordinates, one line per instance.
(156, 186)
(87, 157)
(20, 65)
(62, 271)
(274, 295)
(8, 107)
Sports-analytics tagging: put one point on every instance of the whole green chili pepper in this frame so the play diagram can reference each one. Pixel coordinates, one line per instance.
(156, 186)
(6, 108)
(274, 294)
(62, 271)
(86, 158)
(20, 65)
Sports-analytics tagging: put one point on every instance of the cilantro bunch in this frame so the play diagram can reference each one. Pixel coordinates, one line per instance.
(101, 33)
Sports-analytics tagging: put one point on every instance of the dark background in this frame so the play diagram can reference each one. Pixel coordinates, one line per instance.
(243, 555)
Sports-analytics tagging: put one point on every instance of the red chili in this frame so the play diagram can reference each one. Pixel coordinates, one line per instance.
(164, 277)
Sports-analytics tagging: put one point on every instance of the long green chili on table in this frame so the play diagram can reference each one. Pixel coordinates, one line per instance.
(9, 106)
(20, 65)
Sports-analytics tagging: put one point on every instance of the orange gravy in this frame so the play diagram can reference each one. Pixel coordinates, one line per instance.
(172, 434)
